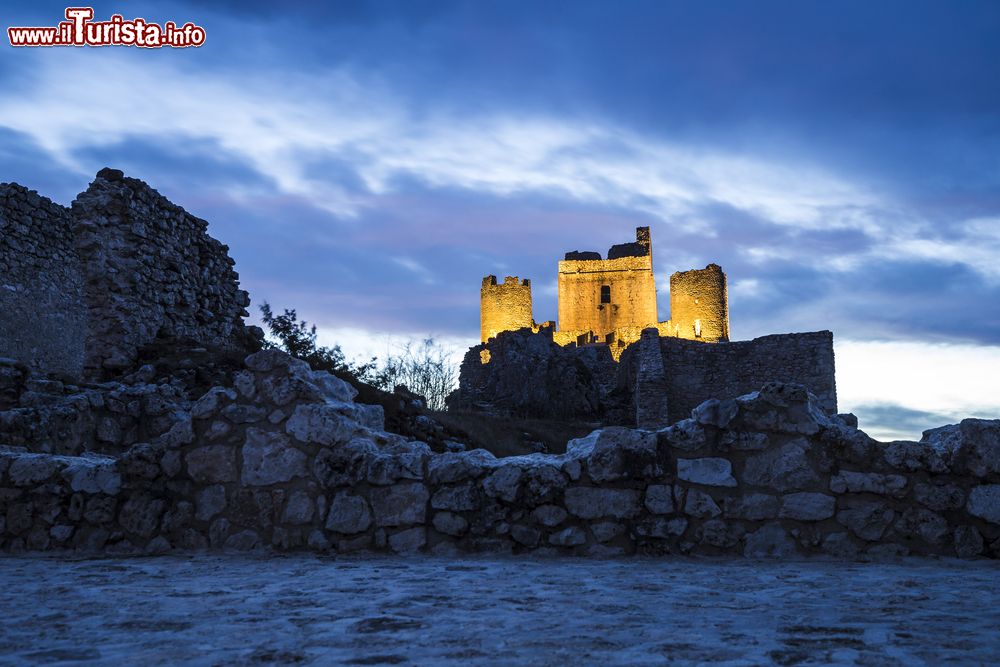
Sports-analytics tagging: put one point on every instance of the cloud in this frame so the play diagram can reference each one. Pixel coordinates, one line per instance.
(276, 126)
(345, 142)
(891, 421)
(899, 389)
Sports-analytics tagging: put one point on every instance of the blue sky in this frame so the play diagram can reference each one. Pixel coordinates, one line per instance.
(369, 162)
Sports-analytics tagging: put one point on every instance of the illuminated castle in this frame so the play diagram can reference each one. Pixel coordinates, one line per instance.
(610, 301)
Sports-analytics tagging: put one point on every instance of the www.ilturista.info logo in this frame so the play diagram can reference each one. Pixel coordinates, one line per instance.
(79, 29)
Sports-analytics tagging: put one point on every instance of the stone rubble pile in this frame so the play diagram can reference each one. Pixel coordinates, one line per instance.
(284, 458)
(49, 416)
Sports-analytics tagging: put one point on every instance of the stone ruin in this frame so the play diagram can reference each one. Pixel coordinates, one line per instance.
(283, 458)
(262, 452)
(610, 301)
(610, 361)
(657, 381)
(83, 288)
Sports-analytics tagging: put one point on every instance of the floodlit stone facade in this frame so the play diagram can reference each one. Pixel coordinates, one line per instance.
(609, 301)
(505, 306)
(699, 305)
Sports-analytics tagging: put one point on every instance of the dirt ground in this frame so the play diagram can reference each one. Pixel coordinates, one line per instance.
(304, 609)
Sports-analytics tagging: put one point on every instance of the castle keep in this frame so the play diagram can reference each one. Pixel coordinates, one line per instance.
(610, 301)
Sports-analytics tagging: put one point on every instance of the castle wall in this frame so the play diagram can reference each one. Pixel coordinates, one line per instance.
(150, 269)
(42, 317)
(697, 372)
(699, 305)
(505, 306)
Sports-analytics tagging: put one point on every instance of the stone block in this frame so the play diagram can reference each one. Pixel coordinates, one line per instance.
(706, 471)
(593, 503)
(807, 506)
(212, 463)
(785, 468)
(400, 505)
(269, 458)
(348, 514)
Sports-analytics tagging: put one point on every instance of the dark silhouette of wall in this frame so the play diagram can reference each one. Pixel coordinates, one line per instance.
(42, 316)
(82, 289)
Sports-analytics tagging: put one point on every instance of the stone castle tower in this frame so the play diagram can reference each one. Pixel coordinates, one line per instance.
(699, 305)
(604, 300)
(610, 301)
(505, 306)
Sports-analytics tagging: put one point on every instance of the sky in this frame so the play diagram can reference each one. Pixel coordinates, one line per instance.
(369, 162)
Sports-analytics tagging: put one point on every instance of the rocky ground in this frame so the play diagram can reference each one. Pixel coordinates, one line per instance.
(307, 609)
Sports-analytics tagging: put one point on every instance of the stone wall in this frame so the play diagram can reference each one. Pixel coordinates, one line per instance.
(529, 375)
(525, 374)
(42, 318)
(285, 459)
(150, 270)
(83, 289)
(48, 416)
(505, 306)
(651, 389)
(697, 371)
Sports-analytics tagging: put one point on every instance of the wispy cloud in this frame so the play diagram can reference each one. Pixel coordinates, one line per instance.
(282, 128)
(279, 126)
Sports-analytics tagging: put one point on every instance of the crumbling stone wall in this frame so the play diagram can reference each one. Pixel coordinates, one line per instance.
(150, 269)
(524, 374)
(48, 416)
(505, 306)
(287, 460)
(651, 387)
(42, 316)
(83, 289)
(697, 372)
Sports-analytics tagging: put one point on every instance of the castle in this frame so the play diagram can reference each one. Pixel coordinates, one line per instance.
(610, 301)
(612, 361)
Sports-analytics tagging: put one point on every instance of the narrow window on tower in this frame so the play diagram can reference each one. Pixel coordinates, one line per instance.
(605, 293)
